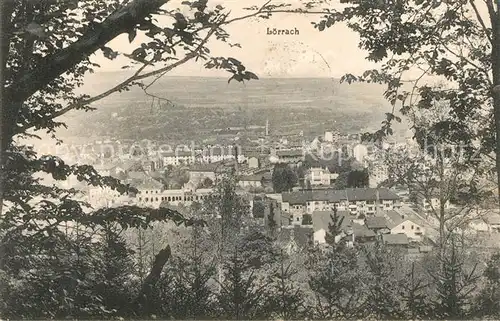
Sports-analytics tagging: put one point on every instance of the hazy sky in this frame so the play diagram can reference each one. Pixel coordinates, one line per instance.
(330, 53)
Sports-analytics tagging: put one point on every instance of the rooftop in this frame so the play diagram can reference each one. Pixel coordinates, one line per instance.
(362, 231)
(137, 175)
(131, 164)
(377, 222)
(333, 196)
(178, 153)
(398, 216)
(322, 219)
(492, 218)
(290, 153)
(211, 167)
(150, 184)
(300, 234)
(395, 239)
(219, 151)
(393, 218)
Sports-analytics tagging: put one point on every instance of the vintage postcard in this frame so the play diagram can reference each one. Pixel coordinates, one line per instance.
(249, 160)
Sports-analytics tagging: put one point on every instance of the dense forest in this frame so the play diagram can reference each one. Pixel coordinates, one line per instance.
(224, 266)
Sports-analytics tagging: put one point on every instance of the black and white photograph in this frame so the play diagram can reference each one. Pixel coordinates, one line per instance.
(250, 160)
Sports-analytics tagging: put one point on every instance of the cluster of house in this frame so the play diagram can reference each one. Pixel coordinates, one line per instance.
(358, 204)
(364, 214)
(152, 191)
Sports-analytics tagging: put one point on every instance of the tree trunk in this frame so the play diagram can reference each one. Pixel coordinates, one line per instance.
(495, 59)
(144, 298)
(442, 229)
(6, 8)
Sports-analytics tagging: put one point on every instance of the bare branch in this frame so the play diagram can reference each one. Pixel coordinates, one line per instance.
(481, 21)
(194, 52)
(463, 57)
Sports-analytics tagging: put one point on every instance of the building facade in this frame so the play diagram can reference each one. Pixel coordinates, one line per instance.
(367, 201)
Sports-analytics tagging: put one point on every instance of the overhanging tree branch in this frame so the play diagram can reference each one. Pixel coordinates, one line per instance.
(137, 76)
(53, 66)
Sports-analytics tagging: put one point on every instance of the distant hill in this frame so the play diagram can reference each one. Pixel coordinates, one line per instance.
(134, 114)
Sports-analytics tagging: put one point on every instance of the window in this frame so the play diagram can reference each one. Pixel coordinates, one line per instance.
(418, 228)
(412, 227)
(146, 199)
(298, 219)
(402, 227)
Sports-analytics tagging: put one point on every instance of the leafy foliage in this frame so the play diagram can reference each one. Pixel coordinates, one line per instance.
(487, 301)
(333, 236)
(283, 178)
(284, 296)
(440, 41)
(241, 295)
(337, 286)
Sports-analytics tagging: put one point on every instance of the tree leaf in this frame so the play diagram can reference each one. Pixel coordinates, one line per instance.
(251, 75)
(131, 35)
(109, 53)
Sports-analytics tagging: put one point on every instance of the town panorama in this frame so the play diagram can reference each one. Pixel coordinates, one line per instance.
(214, 160)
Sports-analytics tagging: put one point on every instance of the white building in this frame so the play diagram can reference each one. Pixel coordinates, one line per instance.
(253, 162)
(360, 152)
(318, 176)
(152, 195)
(367, 201)
(431, 204)
(101, 197)
(254, 181)
(405, 223)
(213, 154)
(179, 157)
(321, 221)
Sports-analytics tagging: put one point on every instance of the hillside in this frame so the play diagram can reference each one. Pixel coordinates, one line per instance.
(203, 104)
